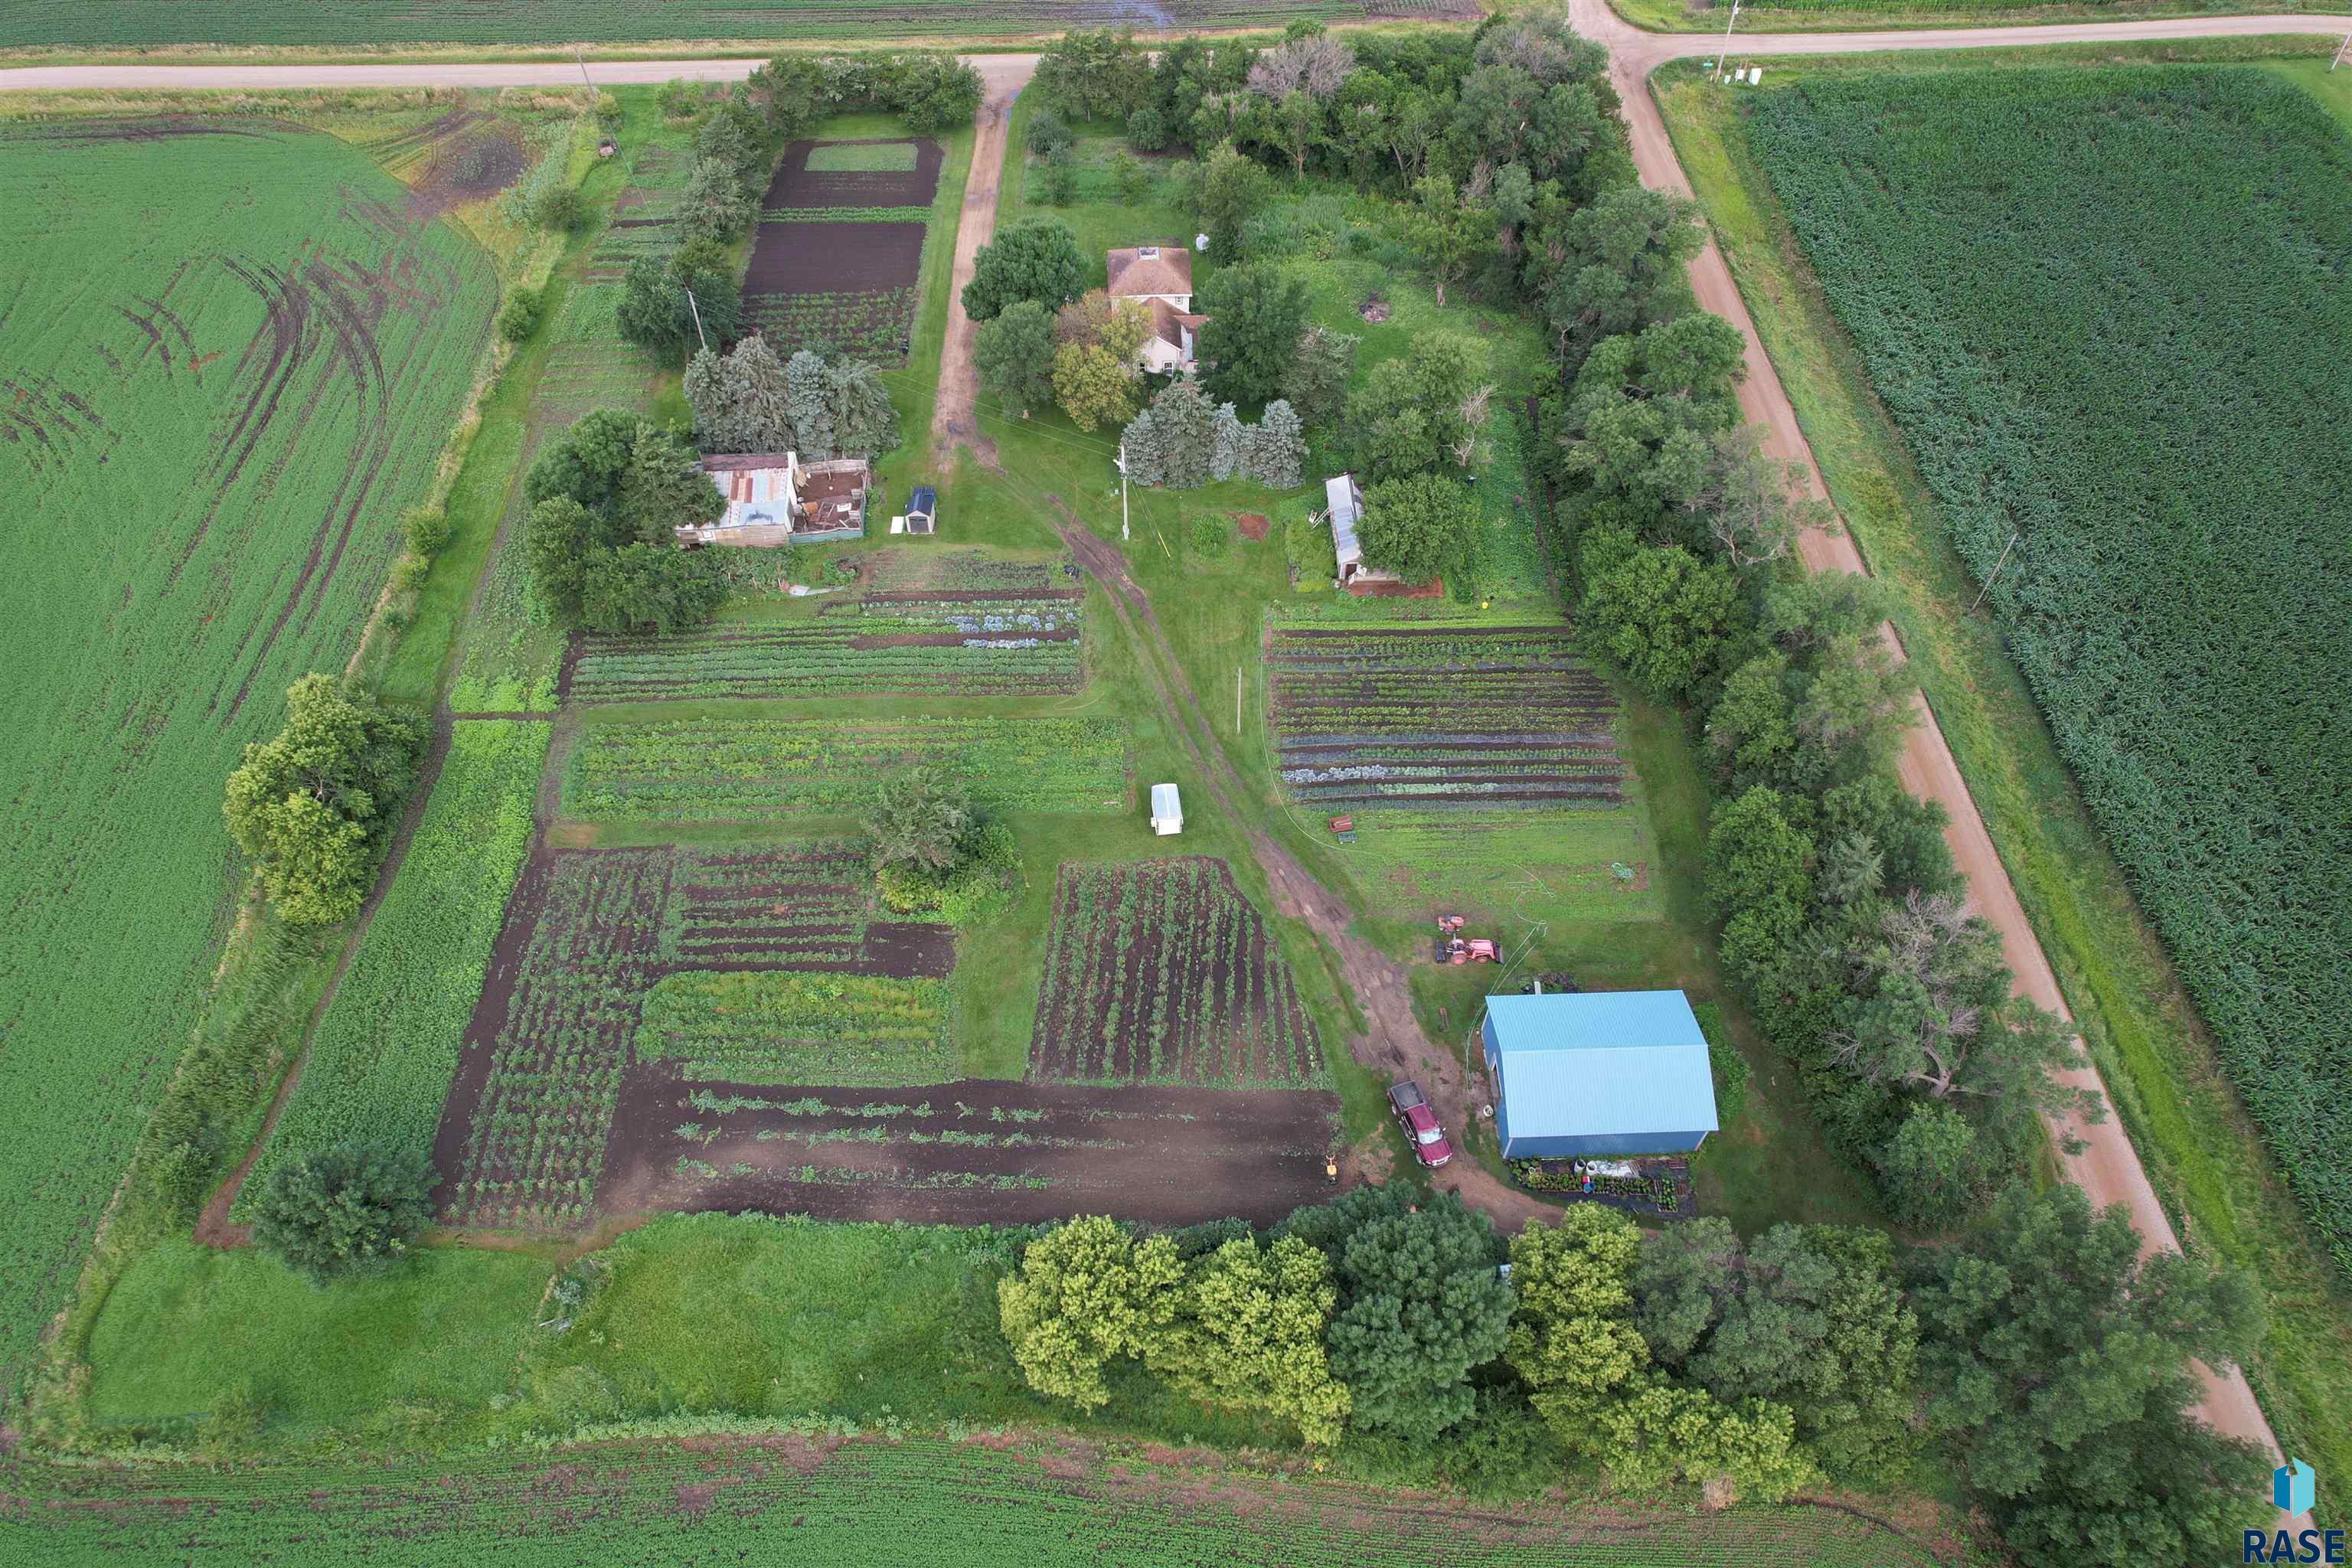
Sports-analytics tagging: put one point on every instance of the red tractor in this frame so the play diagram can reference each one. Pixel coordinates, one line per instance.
(1452, 948)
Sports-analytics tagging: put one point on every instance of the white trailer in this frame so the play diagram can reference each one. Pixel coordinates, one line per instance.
(1167, 810)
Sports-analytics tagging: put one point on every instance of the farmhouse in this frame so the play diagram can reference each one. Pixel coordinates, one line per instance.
(1160, 279)
(1600, 1073)
(774, 497)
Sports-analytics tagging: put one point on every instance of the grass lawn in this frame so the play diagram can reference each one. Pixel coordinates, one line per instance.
(2199, 1148)
(189, 1332)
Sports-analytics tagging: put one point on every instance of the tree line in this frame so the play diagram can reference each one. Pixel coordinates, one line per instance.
(2040, 1355)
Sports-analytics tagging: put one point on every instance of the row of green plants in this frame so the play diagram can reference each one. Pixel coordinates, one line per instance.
(383, 1056)
(889, 649)
(2109, 465)
(705, 769)
(1161, 971)
(753, 1027)
(762, 309)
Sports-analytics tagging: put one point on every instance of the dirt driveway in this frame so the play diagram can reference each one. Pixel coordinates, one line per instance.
(953, 419)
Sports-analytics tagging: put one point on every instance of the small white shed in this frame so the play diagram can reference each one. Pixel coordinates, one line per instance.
(1167, 810)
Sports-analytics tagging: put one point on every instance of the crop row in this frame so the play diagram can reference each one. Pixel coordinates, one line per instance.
(854, 1029)
(843, 214)
(386, 1051)
(722, 769)
(968, 571)
(589, 936)
(971, 649)
(873, 324)
(1441, 716)
(2149, 477)
(1161, 971)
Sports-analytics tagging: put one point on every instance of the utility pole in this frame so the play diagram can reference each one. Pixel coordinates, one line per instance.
(1237, 702)
(1997, 565)
(697, 320)
(2341, 49)
(1122, 490)
(580, 54)
(1723, 64)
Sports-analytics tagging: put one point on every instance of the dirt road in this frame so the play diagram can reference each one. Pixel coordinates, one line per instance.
(953, 418)
(2108, 1168)
(1393, 1044)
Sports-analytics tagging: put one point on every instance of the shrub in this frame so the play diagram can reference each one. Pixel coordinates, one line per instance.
(1728, 1067)
(425, 530)
(1314, 558)
(519, 317)
(340, 1212)
(1146, 130)
(557, 211)
(1048, 135)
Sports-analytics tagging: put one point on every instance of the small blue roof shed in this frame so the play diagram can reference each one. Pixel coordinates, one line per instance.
(1598, 1073)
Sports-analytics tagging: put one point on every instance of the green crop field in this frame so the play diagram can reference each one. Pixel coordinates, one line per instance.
(862, 158)
(229, 361)
(386, 1049)
(856, 1030)
(131, 22)
(2111, 311)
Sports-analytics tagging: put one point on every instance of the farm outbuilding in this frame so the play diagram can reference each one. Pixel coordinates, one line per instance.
(1167, 810)
(774, 497)
(1598, 1073)
(1343, 500)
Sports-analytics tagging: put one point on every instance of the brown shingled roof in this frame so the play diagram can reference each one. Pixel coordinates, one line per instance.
(1168, 272)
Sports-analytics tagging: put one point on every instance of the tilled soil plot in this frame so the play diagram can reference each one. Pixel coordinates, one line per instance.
(587, 933)
(797, 185)
(977, 1152)
(833, 259)
(1442, 716)
(1161, 971)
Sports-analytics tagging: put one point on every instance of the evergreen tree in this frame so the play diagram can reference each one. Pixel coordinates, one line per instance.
(1186, 426)
(1277, 454)
(1147, 458)
(763, 409)
(864, 420)
(808, 390)
(1228, 443)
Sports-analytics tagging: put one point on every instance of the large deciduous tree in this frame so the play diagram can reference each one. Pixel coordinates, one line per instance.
(1417, 527)
(1036, 258)
(1225, 189)
(1257, 315)
(1407, 414)
(1248, 1334)
(2055, 1363)
(311, 807)
(1014, 356)
(344, 1211)
(1315, 381)
(921, 820)
(1087, 1294)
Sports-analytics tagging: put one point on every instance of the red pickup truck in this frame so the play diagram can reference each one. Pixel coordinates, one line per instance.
(1420, 1124)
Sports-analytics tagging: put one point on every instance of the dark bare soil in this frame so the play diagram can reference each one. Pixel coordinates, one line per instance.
(1161, 971)
(470, 167)
(795, 185)
(833, 259)
(977, 1152)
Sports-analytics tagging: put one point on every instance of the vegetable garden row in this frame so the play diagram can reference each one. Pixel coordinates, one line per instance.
(1161, 971)
(588, 934)
(1441, 717)
(899, 646)
(828, 271)
(755, 769)
(970, 1152)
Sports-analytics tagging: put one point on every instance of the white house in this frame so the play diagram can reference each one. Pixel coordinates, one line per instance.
(1344, 502)
(1159, 279)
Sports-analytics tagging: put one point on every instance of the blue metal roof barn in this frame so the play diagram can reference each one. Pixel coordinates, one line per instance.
(1598, 1073)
